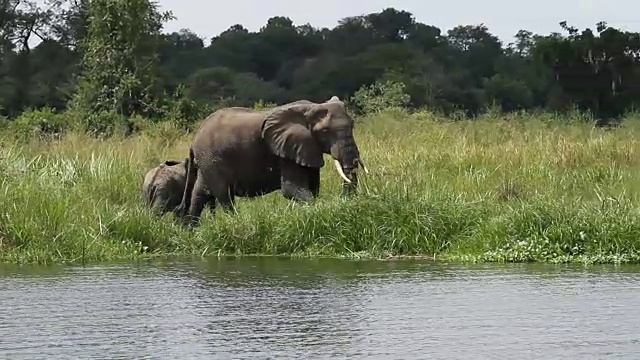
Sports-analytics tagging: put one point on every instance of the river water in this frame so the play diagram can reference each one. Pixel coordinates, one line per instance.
(270, 308)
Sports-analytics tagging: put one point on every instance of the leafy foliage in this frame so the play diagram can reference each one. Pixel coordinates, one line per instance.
(119, 57)
(381, 96)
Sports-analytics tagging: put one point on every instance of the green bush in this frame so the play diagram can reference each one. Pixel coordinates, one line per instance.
(382, 95)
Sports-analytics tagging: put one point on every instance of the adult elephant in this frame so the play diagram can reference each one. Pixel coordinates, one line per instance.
(244, 152)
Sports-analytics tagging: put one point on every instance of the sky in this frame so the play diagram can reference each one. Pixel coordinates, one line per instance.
(208, 19)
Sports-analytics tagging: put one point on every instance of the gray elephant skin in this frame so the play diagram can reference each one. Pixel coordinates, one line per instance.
(247, 153)
(163, 186)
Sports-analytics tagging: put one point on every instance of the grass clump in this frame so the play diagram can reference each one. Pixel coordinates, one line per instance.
(520, 187)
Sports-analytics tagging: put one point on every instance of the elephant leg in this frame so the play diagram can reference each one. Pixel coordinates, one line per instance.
(295, 181)
(199, 198)
(228, 199)
(314, 181)
(223, 193)
(211, 202)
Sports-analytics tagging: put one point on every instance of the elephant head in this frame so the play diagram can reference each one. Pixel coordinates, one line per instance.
(303, 131)
(162, 186)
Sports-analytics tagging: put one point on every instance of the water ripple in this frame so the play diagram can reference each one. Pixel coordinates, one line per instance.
(297, 309)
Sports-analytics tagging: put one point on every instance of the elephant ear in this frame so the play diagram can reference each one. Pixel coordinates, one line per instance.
(286, 131)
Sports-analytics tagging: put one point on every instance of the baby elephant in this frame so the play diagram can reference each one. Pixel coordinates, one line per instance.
(163, 186)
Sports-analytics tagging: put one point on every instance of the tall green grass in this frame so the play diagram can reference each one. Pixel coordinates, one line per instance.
(520, 187)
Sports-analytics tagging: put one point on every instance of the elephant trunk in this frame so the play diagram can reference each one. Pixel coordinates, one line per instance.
(346, 160)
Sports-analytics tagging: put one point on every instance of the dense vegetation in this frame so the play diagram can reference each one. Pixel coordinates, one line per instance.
(478, 150)
(526, 189)
(122, 62)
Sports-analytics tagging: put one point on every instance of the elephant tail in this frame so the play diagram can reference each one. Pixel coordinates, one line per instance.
(188, 186)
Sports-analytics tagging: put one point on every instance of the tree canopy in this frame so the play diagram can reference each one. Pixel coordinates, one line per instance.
(99, 54)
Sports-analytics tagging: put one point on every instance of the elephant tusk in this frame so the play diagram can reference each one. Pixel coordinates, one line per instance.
(364, 167)
(339, 169)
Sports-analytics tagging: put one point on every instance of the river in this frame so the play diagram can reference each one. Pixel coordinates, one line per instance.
(314, 309)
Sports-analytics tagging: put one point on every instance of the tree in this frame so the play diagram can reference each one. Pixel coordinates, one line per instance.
(119, 57)
(112, 56)
(598, 72)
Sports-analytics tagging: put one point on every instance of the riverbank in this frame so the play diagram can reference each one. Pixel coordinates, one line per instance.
(500, 188)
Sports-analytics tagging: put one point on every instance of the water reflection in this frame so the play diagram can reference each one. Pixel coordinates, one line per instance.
(275, 308)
